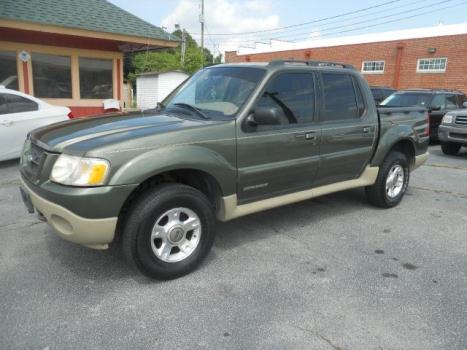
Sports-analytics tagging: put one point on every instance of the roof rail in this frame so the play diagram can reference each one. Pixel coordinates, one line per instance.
(312, 63)
(435, 89)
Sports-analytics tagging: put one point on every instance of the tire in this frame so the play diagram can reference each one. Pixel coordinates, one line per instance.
(450, 148)
(155, 239)
(384, 196)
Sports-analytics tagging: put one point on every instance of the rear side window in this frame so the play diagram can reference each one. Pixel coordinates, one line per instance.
(439, 101)
(377, 94)
(18, 104)
(293, 94)
(452, 102)
(340, 100)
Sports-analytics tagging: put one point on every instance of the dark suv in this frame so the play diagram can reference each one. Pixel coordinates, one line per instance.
(437, 102)
(380, 93)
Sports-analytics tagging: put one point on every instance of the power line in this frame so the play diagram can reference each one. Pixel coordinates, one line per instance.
(373, 19)
(332, 30)
(387, 22)
(267, 36)
(305, 23)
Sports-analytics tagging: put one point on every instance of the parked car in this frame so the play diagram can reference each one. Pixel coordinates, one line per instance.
(453, 131)
(380, 93)
(437, 102)
(21, 113)
(157, 180)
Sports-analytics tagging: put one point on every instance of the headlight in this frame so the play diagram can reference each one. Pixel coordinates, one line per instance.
(447, 119)
(78, 171)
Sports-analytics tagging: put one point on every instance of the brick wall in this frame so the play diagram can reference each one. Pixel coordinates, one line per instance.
(453, 47)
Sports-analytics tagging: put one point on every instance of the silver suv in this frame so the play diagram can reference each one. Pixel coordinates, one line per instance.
(453, 131)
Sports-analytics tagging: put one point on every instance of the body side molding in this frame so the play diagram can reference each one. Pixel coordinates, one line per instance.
(229, 209)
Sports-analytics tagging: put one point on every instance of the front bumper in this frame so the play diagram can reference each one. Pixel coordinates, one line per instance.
(93, 233)
(451, 133)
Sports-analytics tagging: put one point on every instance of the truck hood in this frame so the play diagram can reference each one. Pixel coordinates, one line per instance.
(80, 135)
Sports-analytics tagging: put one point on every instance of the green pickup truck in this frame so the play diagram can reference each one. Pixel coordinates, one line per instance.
(232, 140)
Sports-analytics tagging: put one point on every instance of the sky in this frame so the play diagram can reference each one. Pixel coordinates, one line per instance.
(239, 17)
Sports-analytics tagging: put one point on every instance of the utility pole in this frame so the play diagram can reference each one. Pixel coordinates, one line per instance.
(183, 48)
(201, 20)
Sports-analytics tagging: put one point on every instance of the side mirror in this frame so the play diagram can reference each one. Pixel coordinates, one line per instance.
(264, 116)
(464, 104)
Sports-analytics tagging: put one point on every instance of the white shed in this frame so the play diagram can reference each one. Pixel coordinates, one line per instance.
(154, 87)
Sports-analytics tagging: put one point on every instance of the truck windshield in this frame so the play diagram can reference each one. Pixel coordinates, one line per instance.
(215, 92)
(407, 99)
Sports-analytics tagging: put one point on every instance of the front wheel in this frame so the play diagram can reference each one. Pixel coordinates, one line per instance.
(391, 183)
(169, 231)
(450, 148)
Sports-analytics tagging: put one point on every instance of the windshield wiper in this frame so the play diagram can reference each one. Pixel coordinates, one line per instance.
(192, 108)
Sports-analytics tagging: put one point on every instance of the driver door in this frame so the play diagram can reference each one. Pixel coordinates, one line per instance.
(283, 158)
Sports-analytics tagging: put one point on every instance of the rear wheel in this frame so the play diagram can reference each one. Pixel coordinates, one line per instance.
(168, 231)
(450, 148)
(391, 183)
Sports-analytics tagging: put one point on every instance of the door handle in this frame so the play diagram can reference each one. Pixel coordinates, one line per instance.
(366, 129)
(6, 122)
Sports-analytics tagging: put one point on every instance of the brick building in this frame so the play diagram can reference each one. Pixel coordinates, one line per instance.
(433, 57)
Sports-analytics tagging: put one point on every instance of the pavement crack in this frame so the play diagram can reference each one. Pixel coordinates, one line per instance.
(10, 182)
(434, 165)
(322, 337)
(439, 191)
(13, 225)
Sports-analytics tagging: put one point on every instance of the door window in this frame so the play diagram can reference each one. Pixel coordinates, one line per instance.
(18, 104)
(340, 99)
(293, 95)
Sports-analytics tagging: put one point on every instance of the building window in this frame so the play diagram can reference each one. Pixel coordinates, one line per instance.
(373, 67)
(432, 65)
(51, 75)
(8, 71)
(95, 78)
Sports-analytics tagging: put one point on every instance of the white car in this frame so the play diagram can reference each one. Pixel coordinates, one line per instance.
(21, 113)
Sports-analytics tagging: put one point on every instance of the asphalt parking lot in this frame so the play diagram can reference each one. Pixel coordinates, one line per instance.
(329, 273)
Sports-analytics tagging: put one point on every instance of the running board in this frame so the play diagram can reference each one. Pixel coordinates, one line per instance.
(229, 209)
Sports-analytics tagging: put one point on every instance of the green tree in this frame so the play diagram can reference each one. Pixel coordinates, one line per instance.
(169, 59)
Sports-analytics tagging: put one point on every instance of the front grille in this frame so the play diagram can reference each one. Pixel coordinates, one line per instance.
(32, 161)
(461, 120)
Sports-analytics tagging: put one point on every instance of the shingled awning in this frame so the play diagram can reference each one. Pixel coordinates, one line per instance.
(87, 18)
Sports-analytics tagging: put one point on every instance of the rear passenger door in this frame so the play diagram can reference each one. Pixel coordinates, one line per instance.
(348, 131)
